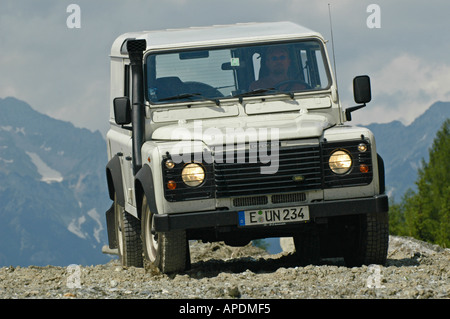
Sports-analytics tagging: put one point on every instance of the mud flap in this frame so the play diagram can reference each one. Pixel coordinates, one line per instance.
(111, 227)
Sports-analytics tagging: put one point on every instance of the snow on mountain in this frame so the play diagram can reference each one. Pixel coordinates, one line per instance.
(99, 220)
(76, 226)
(48, 174)
(52, 190)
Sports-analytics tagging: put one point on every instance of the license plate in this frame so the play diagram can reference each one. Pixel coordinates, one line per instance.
(273, 216)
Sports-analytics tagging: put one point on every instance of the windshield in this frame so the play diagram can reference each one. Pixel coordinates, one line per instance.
(214, 74)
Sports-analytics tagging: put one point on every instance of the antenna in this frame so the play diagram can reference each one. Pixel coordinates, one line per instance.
(332, 45)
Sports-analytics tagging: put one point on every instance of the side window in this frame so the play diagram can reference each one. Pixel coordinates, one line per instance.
(256, 59)
(127, 81)
(312, 69)
(321, 69)
(304, 66)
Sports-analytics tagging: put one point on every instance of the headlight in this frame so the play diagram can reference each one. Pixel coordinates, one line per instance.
(340, 162)
(193, 174)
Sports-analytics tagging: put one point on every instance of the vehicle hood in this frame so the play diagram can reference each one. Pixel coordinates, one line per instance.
(246, 129)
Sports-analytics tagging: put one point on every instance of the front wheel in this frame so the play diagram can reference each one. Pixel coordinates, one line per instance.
(368, 243)
(307, 248)
(168, 251)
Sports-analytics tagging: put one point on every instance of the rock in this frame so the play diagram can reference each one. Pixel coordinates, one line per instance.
(234, 292)
(414, 270)
(287, 244)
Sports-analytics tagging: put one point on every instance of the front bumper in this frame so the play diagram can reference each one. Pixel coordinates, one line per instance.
(219, 218)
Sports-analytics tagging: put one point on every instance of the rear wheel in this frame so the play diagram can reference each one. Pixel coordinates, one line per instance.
(368, 243)
(168, 251)
(128, 237)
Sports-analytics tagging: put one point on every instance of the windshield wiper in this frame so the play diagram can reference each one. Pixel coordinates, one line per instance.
(189, 96)
(262, 91)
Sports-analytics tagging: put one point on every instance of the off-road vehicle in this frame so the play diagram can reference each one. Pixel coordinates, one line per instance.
(234, 133)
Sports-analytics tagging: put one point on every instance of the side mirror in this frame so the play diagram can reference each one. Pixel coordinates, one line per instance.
(361, 93)
(122, 110)
(361, 89)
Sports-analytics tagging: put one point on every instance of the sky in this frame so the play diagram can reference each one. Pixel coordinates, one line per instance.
(403, 45)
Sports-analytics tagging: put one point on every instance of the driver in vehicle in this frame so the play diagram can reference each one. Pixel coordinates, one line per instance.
(277, 66)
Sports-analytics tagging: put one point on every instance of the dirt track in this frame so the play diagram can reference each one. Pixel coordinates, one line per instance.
(414, 270)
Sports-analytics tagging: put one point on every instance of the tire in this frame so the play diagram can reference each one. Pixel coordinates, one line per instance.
(168, 251)
(307, 248)
(129, 243)
(369, 242)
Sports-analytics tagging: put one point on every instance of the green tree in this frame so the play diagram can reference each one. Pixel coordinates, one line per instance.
(397, 224)
(425, 214)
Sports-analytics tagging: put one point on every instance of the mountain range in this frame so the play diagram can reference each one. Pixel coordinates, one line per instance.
(53, 191)
(404, 147)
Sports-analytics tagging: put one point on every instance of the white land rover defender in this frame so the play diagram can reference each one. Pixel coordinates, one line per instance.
(234, 133)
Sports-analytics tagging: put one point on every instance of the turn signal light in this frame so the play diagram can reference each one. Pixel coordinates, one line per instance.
(171, 185)
(363, 168)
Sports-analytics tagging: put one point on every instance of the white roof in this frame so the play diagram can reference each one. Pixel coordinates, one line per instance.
(214, 35)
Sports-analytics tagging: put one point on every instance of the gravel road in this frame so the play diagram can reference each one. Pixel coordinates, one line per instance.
(414, 270)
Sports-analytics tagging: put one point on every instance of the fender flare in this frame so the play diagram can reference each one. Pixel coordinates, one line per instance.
(144, 185)
(114, 180)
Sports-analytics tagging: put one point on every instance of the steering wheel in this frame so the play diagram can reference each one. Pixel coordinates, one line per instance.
(203, 89)
(291, 83)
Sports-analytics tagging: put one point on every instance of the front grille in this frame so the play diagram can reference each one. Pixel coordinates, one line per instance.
(289, 198)
(237, 174)
(274, 199)
(250, 201)
(299, 169)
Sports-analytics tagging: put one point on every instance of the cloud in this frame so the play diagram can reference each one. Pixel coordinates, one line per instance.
(65, 72)
(413, 77)
(8, 90)
(405, 87)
